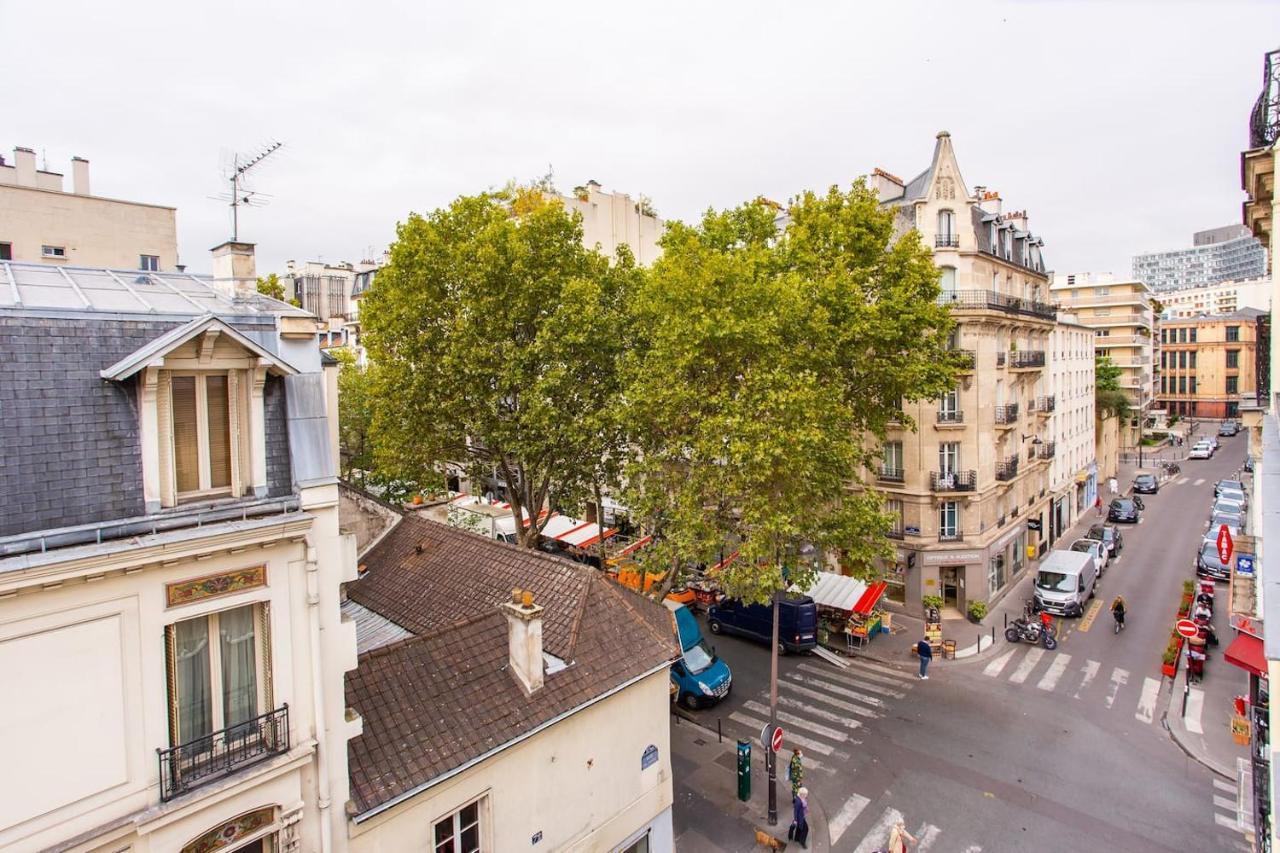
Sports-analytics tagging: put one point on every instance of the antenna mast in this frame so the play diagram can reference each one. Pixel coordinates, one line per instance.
(238, 170)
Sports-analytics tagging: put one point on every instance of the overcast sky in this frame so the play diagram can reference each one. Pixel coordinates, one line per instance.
(1118, 126)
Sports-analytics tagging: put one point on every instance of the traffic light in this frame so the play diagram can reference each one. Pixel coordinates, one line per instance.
(744, 770)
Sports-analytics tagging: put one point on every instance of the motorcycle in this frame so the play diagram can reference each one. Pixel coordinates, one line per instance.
(1031, 631)
(1137, 501)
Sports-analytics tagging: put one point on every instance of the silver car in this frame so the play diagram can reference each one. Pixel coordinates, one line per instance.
(1098, 550)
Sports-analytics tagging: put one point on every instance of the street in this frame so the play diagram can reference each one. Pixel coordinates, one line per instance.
(1062, 750)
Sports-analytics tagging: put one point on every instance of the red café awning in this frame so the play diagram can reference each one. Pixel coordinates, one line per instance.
(869, 599)
(1246, 652)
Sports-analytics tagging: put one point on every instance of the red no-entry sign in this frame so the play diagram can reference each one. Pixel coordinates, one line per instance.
(771, 737)
(1225, 545)
(1187, 628)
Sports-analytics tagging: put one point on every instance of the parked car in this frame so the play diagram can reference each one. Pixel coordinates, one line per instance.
(1065, 582)
(1234, 485)
(1248, 464)
(701, 678)
(1207, 563)
(1123, 510)
(1233, 521)
(1227, 429)
(1096, 549)
(1146, 484)
(1109, 534)
(1201, 450)
(1213, 442)
(1226, 504)
(1233, 495)
(797, 622)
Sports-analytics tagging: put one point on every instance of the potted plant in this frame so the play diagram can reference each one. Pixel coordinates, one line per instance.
(1169, 661)
(977, 611)
(932, 602)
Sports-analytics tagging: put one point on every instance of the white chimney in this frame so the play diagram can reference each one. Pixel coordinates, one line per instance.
(886, 186)
(234, 271)
(524, 640)
(24, 160)
(80, 176)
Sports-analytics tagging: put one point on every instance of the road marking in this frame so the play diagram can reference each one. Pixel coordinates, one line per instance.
(1119, 678)
(879, 833)
(972, 848)
(1224, 802)
(822, 697)
(926, 834)
(1199, 482)
(1225, 786)
(1054, 672)
(791, 719)
(993, 669)
(1090, 669)
(1147, 704)
(1028, 663)
(1220, 819)
(865, 664)
(1182, 481)
(846, 816)
(1195, 706)
(1092, 613)
(756, 725)
(819, 712)
(872, 680)
(843, 691)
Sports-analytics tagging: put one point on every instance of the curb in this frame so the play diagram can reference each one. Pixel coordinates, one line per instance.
(1176, 734)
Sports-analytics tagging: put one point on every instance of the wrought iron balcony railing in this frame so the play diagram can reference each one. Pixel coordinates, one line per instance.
(992, 300)
(950, 536)
(216, 755)
(953, 481)
(950, 416)
(1047, 450)
(1008, 469)
(1000, 359)
(944, 241)
(1046, 404)
(1007, 413)
(1026, 359)
(966, 359)
(892, 475)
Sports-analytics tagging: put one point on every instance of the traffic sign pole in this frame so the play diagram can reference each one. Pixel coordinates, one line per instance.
(771, 757)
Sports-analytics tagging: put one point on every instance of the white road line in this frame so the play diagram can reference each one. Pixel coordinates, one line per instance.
(1195, 706)
(996, 666)
(869, 680)
(1220, 819)
(756, 725)
(819, 712)
(842, 691)
(1028, 663)
(972, 848)
(793, 720)
(1054, 672)
(927, 834)
(1225, 802)
(822, 697)
(879, 834)
(864, 664)
(1147, 703)
(1089, 670)
(846, 816)
(1199, 482)
(1119, 678)
(1224, 786)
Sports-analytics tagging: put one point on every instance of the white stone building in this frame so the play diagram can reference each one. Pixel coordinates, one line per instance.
(1224, 298)
(1073, 470)
(610, 220)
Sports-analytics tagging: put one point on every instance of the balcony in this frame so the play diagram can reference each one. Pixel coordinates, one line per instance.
(891, 475)
(947, 241)
(1008, 469)
(966, 359)
(950, 417)
(1046, 404)
(214, 756)
(991, 300)
(1026, 359)
(1000, 358)
(1047, 450)
(1007, 414)
(953, 481)
(950, 536)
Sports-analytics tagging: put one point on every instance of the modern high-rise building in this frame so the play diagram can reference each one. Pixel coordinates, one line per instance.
(1223, 298)
(1229, 253)
(969, 487)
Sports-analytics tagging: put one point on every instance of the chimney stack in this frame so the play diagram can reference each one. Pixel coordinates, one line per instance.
(24, 160)
(234, 271)
(524, 640)
(80, 176)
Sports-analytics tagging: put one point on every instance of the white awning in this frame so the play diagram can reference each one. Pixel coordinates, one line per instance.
(839, 591)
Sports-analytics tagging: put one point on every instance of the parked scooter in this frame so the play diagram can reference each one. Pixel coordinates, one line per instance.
(1137, 501)
(1031, 631)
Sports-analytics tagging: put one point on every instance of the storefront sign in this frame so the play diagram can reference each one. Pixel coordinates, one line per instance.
(1244, 564)
(949, 558)
(1247, 625)
(1034, 524)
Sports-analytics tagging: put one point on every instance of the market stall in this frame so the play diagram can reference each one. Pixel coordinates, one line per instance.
(848, 612)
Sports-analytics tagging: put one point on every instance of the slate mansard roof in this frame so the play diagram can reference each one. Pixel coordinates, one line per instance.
(443, 698)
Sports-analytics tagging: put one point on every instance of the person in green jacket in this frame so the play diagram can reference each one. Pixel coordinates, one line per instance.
(795, 772)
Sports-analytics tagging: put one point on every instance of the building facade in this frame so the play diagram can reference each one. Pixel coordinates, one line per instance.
(969, 487)
(170, 562)
(42, 223)
(1221, 298)
(1121, 314)
(1207, 363)
(1229, 253)
(1073, 468)
(610, 220)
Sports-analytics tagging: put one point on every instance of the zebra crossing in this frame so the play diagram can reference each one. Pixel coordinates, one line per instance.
(877, 837)
(1231, 807)
(1063, 674)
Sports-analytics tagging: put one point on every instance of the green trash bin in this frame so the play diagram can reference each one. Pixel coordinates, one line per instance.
(744, 770)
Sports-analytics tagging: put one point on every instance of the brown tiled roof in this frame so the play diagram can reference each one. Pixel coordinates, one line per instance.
(437, 700)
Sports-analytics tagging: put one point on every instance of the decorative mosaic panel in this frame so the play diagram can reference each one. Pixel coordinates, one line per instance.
(232, 831)
(212, 586)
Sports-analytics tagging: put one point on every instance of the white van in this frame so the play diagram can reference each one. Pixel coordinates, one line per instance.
(1065, 582)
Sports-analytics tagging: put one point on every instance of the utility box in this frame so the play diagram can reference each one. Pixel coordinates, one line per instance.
(744, 770)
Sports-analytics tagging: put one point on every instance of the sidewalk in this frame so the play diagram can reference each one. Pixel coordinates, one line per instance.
(709, 817)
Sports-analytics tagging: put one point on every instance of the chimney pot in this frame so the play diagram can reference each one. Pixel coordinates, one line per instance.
(234, 270)
(80, 176)
(527, 599)
(516, 595)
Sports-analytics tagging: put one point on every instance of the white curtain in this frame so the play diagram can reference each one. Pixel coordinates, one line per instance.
(239, 666)
(195, 708)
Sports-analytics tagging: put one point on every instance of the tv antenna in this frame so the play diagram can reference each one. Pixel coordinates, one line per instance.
(236, 172)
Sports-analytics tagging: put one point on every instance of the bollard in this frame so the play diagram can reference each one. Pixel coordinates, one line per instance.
(1186, 691)
(1006, 620)
(719, 734)
(993, 634)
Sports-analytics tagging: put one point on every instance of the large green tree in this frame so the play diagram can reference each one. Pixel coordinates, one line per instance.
(493, 335)
(766, 366)
(1109, 398)
(354, 414)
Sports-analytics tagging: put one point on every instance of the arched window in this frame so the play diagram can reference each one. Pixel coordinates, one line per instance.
(946, 228)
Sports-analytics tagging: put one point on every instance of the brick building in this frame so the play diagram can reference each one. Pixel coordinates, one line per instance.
(1207, 363)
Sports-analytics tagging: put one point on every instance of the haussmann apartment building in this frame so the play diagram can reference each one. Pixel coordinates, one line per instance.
(1207, 363)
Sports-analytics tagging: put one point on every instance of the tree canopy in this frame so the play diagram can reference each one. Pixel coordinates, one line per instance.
(765, 366)
(494, 338)
(271, 286)
(354, 413)
(1110, 400)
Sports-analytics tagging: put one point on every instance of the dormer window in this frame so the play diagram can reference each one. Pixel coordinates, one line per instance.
(201, 412)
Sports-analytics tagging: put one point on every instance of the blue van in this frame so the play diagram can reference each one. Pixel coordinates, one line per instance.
(701, 677)
(797, 622)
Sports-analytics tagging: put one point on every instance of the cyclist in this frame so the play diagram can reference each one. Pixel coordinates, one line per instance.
(1117, 611)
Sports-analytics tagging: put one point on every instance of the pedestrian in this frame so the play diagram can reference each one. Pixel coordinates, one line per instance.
(799, 831)
(898, 838)
(1113, 486)
(1097, 504)
(795, 772)
(925, 651)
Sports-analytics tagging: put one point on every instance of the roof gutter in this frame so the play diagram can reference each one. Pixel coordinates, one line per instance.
(413, 792)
